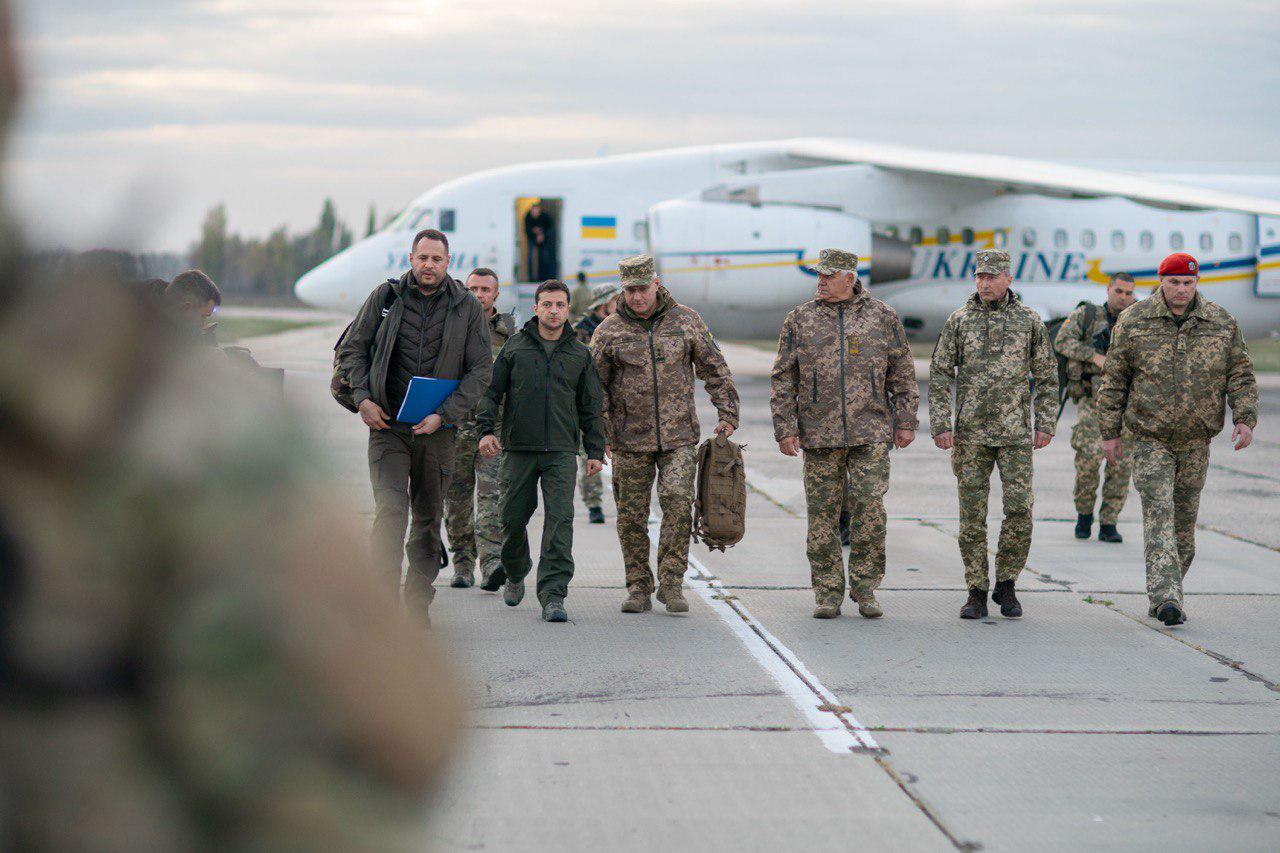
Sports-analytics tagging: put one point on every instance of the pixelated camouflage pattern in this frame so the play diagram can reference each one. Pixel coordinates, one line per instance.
(1075, 343)
(648, 376)
(993, 354)
(831, 261)
(991, 262)
(638, 269)
(1086, 440)
(843, 375)
(865, 470)
(1171, 383)
(602, 293)
(501, 327)
(1169, 482)
(972, 464)
(591, 486)
(633, 477)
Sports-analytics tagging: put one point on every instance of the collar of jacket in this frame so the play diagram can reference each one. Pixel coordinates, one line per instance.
(1162, 308)
(856, 298)
(664, 304)
(530, 328)
(1009, 298)
(453, 291)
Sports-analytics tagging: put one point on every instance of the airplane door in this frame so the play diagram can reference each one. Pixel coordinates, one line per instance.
(538, 232)
(1268, 283)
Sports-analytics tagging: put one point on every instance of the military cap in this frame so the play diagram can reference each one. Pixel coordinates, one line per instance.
(636, 270)
(832, 261)
(602, 293)
(1179, 263)
(991, 262)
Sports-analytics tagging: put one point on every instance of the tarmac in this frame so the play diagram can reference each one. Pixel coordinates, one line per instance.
(748, 725)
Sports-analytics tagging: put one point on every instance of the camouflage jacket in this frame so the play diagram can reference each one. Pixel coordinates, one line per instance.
(501, 327)
(997, 357)
(1169, 383)
(648, 373)
(843, 375)
(1075, 343)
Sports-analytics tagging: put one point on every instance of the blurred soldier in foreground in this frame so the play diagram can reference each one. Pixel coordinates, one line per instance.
(471, 504)
(647, 355)
(1175, 358)
(1083, 339)
(844, 389)
(996, 353)
(191, 300)
(604, 300)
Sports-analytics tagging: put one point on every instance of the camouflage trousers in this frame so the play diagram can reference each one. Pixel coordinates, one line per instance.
(592, 487)
(1169, 483)
(1086, 440)
(972, 464)
(856, 477)
(633, 475)
(472, 517)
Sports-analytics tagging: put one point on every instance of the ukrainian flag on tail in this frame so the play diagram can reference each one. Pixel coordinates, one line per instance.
(599, 227)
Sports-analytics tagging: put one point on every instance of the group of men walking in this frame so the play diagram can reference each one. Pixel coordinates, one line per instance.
(1149, 381)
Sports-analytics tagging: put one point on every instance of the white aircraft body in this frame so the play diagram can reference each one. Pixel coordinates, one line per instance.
(734, 227)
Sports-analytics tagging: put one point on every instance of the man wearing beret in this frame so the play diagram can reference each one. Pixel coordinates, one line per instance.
(996, 353)
(647, 355)
(1175, 359)
(843, 391)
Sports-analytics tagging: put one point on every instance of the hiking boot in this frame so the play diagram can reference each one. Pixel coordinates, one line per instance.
(826, 611)
(1004, 595)
(553, 611)
(462, 579)
(1108, 533)
(595, 515)
(868, 607)
(673, 598)
(1084, 526)
(637, 602)
(494, 581)
(844, 529)
(513, 593)
(1170, 613)
(976, 606)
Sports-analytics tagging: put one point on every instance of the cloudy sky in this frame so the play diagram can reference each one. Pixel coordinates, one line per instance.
(141, 114)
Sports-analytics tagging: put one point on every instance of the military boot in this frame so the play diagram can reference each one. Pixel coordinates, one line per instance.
(463, 577)
(553, 610)
(1084, 526)
(513, 593)
(826, 611)
(868, 607)
(1004, 595)
(1108, 533)
(595, 515)
(637, 601)
(1170, 613)
(494, 580)
(976, 606)
(673, 597)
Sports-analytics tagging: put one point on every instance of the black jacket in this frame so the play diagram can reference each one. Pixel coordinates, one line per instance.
(547, 401)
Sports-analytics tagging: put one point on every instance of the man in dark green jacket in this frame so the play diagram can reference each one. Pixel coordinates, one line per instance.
(545, 382)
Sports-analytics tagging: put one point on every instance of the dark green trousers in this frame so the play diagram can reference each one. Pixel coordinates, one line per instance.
(521, 474)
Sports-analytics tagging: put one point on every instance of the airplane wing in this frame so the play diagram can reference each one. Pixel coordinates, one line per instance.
(1017, 175)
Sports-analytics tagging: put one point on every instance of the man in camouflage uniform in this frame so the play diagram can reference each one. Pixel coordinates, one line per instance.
(1083, 339)
(996, 353)
(1175, 358)
(843, 390)
(471, 503)
(647, 355)
(603, 303)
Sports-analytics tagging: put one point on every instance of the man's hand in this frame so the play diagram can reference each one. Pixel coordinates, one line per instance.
(903, 437)
(1041, 440)
(790, 445)
(594, 466)
(491, 447)
(1242, 436)
(944, 440)
(429, 424)
(608, 453)
(372, 415)
(1100, 360)
(723, 428)
(1112, 450)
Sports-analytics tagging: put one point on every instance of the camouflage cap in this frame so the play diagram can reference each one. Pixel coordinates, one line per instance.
(636, 270)
(602, 293)
(831, 261)
(991, 262)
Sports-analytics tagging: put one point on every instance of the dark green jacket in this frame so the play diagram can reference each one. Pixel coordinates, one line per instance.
(545, 402)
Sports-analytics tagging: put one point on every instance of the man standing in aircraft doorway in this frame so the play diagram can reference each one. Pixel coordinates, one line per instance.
(843, 391)
(647, 355)
(996, 353)
(1175, 360)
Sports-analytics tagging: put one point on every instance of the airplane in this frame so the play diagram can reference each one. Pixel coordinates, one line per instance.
(735, 228)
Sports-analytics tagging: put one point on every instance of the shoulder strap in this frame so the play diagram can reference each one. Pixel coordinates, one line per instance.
(1090, 317)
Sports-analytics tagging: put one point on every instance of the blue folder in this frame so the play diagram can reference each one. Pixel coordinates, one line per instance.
(424, 397)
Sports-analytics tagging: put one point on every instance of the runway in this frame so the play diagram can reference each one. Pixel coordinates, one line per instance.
(748, 725)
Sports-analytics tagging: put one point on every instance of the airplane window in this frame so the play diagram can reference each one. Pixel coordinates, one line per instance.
(966, 236)
(1146, 240)
(1117, 240)
(917, 234)
(1175, 240)
(1206, 242)
(1028, 237)
(1088, 239)
(448, 219)
(1235, 242)
(944, 236)
(1060, 238)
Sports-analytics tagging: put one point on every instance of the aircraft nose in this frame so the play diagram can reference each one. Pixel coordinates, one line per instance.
(326, 286)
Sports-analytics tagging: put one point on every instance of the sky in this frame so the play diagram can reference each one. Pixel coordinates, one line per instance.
(139, 115)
